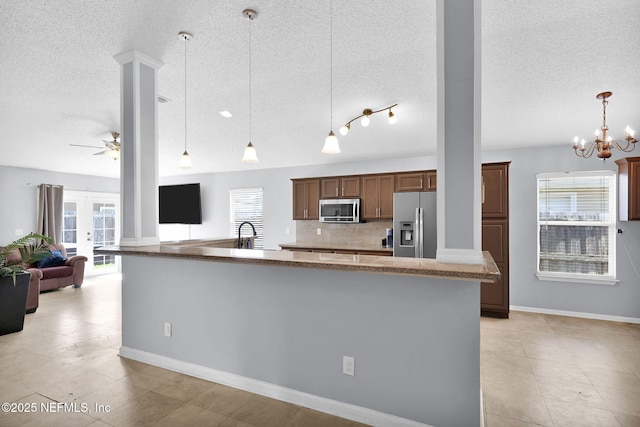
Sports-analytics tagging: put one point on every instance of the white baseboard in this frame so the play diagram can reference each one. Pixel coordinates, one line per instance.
(576, 314)
(322, 404)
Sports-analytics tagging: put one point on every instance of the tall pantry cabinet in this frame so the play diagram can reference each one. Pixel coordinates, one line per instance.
(494, 297)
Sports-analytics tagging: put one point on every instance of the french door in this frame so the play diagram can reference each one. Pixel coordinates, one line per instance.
(91, 220)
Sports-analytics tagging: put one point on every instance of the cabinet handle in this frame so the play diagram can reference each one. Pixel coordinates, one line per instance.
(429, 182)
(305, 213)
(420, 183)
(342, 191)
(336, 191)
(483, 190)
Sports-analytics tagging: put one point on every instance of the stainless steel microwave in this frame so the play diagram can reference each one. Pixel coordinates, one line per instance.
(340, 210)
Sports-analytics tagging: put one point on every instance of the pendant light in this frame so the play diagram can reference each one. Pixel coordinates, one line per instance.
(185, 160)
(250, 155)
(331, 145)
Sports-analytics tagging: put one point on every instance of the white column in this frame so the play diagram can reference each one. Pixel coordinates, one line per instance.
(139, 148)
(459, 163)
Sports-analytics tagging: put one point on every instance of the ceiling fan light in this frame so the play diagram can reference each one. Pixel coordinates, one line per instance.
(185, 161)
(344, 130)
(250, 155)
(365, 121)
(114, 154)
(331, 145)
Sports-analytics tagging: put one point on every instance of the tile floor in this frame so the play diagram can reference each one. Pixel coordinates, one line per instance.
(536, 370)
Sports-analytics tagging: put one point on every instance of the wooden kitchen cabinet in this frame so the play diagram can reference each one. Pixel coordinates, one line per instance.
(494, 297)
(495, 183)
(629, 189)
(377, 196)
(410, 181)
(416, 181)
(306, 198)
(347, 187)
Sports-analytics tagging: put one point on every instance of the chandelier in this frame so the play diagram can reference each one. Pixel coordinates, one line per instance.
(604, 143)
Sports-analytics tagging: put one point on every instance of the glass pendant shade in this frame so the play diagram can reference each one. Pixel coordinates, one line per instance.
(185, 161)
(365, 121)
(331, 145)
(344, 130)
(393, 119)
(250, 155)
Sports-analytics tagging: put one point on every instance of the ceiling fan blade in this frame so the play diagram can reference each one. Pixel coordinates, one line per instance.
(109, 142)
(101, 153)
(88, 146)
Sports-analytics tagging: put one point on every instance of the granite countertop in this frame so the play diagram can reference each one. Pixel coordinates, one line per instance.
(486, 272)
(334, 246)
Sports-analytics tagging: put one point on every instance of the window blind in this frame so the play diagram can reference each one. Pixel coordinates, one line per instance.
(246, 204)
(576, 223)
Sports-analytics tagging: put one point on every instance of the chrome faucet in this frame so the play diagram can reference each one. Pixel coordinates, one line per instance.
(240, 228)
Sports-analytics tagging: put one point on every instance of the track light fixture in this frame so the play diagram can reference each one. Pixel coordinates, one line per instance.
(393, 119)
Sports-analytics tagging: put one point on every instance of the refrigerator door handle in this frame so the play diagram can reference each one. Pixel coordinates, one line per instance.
(421, 232)
(417, 234)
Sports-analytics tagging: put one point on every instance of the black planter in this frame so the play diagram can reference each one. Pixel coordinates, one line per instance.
(13, 303)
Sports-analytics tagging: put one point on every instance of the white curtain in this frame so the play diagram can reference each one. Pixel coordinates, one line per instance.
(50, 211)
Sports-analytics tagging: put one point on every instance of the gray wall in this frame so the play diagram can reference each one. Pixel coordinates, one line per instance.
(292, 326)
(526, 290)
(19, 192)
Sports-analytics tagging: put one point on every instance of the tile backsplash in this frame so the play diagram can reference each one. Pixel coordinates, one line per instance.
(365, 234)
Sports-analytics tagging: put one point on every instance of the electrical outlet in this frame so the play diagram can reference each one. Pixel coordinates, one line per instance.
(287, 230)
(319, 231)
(19, 232)
(167, 329)
(348, 365)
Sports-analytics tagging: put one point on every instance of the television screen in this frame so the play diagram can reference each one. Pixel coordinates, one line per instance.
(180, 204)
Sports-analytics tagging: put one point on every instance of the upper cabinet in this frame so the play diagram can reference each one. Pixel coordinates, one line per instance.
(495, 182)
(629, 188)
(339, 187)
(306, 198)
(416, 181)
(377, 196)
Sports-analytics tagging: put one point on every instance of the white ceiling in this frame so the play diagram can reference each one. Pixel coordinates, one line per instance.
(543, 62)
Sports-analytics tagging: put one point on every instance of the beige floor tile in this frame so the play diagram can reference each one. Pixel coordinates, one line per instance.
(29, 411)
(549, 369)
(528, 408)
(625, 381)
(548, 352)
(111, 397)
(310, 418)
(222, 399)
(627, 420)
(265, 412)
(502, 345)
(580, 415)
(146, 410)
(230, 422)
(498, 421)
(184, 387)
(626, 402)
(10, 391)
(75, 387)
(190, 415)
(570, 393)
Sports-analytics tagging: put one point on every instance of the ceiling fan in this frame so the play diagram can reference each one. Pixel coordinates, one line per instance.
(111, 148)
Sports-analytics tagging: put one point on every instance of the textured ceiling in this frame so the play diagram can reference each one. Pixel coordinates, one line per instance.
(543, 62)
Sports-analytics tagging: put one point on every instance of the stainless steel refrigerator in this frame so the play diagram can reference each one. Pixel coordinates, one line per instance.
(414, 225)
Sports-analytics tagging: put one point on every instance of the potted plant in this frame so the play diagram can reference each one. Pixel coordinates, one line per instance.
(14, 279)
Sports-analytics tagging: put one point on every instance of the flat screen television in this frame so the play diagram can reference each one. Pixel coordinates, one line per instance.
(180, 204)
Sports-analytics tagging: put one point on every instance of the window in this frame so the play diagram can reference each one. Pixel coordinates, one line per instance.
(577, 227)
(246, 205)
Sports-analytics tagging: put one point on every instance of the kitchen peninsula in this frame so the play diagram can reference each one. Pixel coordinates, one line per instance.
(278, 323)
